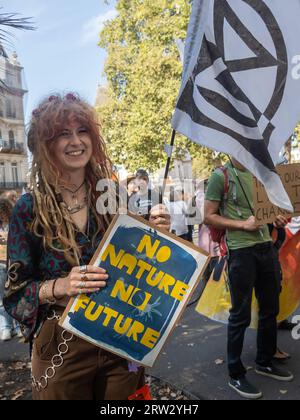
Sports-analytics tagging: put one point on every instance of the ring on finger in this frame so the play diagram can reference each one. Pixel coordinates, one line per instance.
(84, 277)
(83, 269)
(81, 285)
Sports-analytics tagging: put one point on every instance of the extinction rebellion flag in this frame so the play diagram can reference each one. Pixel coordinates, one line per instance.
(240, 91)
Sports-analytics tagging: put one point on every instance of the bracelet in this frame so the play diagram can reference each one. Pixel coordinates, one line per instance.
(45, 294)
(53, 294)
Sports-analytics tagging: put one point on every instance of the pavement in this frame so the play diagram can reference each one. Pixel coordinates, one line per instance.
(14, 351)
(194, 360)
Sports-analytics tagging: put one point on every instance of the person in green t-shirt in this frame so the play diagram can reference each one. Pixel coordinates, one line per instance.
(253, 264)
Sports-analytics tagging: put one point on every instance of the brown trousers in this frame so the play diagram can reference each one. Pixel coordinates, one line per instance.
(87, 372)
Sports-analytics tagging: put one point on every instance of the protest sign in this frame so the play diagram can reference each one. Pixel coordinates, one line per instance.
(152, 274)
(265, 211)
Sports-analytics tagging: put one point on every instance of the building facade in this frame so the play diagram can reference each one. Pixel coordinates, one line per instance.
(13, 152)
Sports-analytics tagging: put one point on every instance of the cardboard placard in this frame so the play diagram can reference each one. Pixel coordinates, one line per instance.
(265, 211)
(152, 275)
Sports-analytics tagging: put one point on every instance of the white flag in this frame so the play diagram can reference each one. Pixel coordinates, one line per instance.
(241, 83)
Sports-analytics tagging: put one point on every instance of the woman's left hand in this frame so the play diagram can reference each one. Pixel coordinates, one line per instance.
(160, 217)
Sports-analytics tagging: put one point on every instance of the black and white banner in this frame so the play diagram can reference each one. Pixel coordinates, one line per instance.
(240, 92)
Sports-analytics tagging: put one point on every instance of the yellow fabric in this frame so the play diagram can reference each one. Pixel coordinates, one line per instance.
(215, 302)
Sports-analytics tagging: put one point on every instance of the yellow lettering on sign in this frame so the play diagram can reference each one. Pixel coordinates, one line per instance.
(120, 289)
(146, 244)
(180, 290)
(144, 304)
(154, 281)
(128, 261)
(110, 313)
(93, 316)
(166, 282)
(126, 295)
(81, 303)
(150, 338)
(122, 329)
(111, 253)
(162, 255)
(135, 329)
(143, 267)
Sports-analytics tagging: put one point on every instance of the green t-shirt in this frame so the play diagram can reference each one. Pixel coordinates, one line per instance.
(236, 207)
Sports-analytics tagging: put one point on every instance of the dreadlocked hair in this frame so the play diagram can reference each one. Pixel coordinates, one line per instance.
(52, 221)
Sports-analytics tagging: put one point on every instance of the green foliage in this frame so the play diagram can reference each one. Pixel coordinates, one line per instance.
(11, 21)
(297, 132)
(144, 74)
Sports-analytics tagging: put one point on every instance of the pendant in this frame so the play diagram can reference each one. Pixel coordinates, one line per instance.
(77, 207)
(75, 198)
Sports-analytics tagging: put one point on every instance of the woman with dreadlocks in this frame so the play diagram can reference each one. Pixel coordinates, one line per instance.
(54, 232)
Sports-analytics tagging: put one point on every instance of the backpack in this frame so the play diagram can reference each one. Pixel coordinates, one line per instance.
(219, 235)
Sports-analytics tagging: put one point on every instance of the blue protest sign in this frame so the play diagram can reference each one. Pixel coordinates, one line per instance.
(151, 277)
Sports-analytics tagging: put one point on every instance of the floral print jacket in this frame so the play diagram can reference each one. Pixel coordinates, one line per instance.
(29, 264)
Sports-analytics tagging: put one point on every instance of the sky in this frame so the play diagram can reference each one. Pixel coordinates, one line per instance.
(62, 53)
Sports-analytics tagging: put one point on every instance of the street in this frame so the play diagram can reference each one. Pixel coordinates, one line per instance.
(194, 361)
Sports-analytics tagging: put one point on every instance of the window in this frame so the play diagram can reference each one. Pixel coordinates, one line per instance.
(10, 109)
(11, 137)
(2, 173)
(19, 78)
(15, 176)
(9, 77)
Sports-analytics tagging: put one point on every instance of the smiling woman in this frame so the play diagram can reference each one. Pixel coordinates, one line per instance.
(69, 157)
(72, 149)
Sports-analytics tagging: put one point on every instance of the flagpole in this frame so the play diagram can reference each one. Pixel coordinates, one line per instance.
(168, 163)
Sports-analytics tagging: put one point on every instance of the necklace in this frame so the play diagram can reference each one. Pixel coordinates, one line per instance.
(78, 206)
(74, 193)
(75, 207)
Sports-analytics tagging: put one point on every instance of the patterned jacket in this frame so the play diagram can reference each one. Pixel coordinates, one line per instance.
(29, 264)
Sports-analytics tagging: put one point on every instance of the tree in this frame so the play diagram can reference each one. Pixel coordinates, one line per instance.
(11, 21)
(144, 74)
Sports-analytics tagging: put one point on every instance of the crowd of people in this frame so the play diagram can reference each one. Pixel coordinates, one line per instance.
(56, 228)
(252, 259)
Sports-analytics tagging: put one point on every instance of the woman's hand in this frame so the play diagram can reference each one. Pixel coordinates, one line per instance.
(160, 217)
(77, 282)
